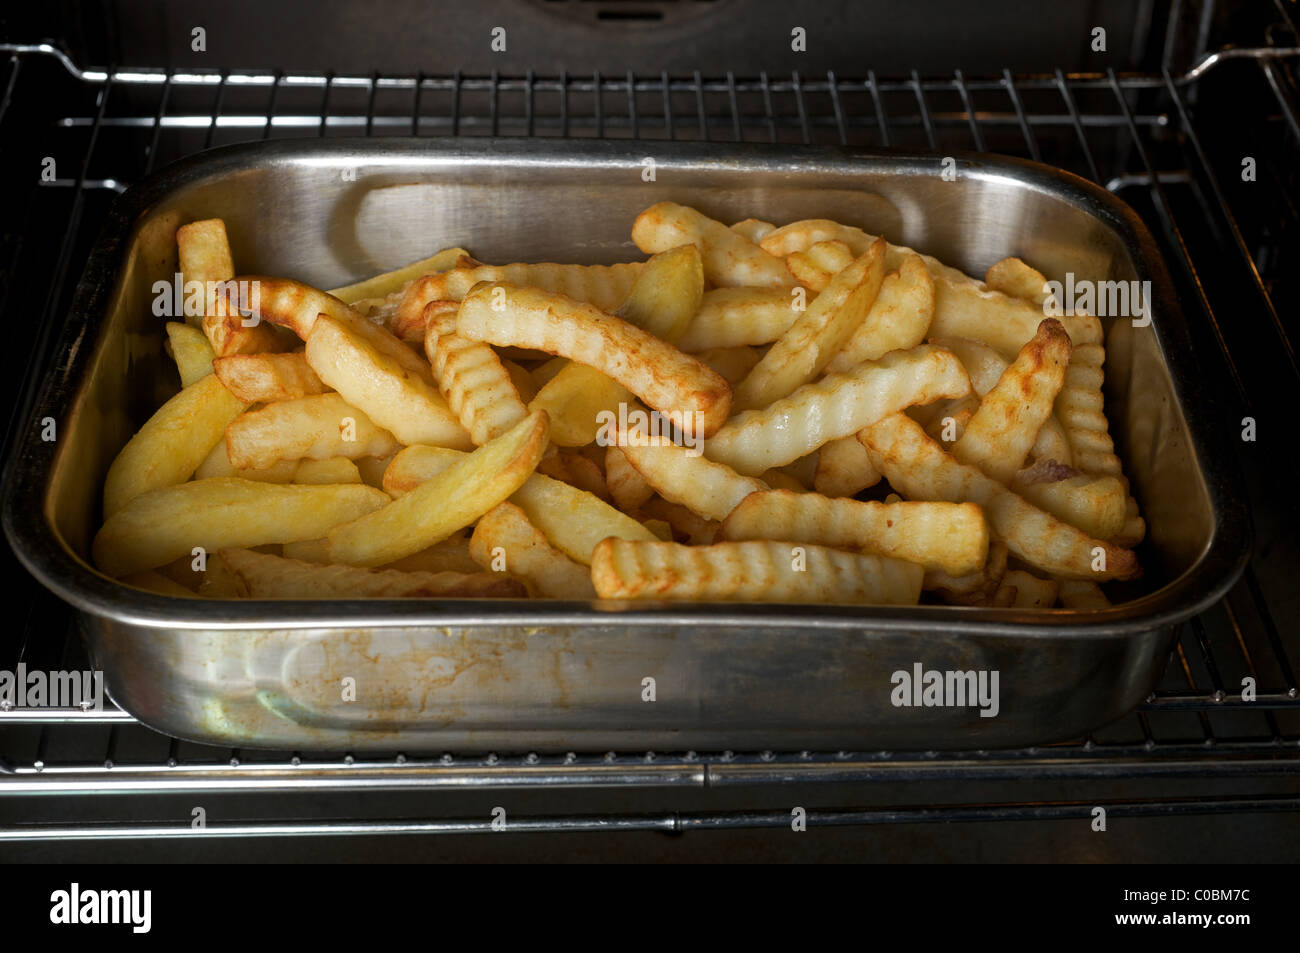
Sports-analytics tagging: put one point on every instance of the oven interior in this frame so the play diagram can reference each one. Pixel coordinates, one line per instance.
(1193, 117)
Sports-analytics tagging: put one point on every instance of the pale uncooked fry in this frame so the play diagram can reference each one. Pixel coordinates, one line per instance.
(448, 502)
(191, 352)
(390, 282)
(1013, 277)
(172, 443)
(751, 572)
(474, 382)
(899, 317)
(1077, 594)
(273, 577)
(677, 385)
(371, 379)
(816, 267)
(266, 378)
(712, 490)
(729, 317)
(838, 405)
(753, 228)
(601, 286)
(333, 470)
(165, 524)
(920, 470)
(998, 436)
(817, 335)
(844, 468)
(662, 301)
(732, 363)
(985, 367)
(971, 589)
(729, 257)
(1080, 408)
(686, 524)
(1095, 505)
(1028, 591)
(217, 464)
(952, 537)
(572, 519)
(506, 533)
(317, 428)
(627, 487)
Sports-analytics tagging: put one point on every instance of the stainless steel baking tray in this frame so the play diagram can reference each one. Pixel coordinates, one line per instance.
(554, 676)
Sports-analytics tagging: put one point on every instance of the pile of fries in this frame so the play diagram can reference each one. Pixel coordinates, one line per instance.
(796, 414)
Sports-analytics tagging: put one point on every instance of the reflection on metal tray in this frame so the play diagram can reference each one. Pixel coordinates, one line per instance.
(555, 676)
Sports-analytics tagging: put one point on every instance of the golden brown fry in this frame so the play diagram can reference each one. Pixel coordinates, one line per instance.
(373, 380)
(172, 443)
(504, 540)
(602, 286)
(673, 383)
(1096, 505)
(474, 382)
(217, 464)
(272, 577)
(522, 380)
(165, 524)
(750, 572)
(662, 301)
(729, 257)
(844, 468)
(446, 503)
(952, 537)
(917, 467)
(753, 229)
(711, 490)
(899, 317)
(838, 405)
(729, 317)
(576, 470)
(1011, 276)
(448, 555)
(1080, 408)
(627, 487)
(266, 378)
(817, 335)
(317, 427)
(1001, 432)
(1077, 594)
(822, 261)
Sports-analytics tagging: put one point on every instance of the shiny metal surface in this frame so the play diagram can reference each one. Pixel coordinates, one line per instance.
(531, 676)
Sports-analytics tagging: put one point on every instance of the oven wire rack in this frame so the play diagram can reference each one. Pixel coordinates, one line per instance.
(1154, 138)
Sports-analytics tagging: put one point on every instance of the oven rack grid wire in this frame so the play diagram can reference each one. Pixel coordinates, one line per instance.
(1138, 134)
